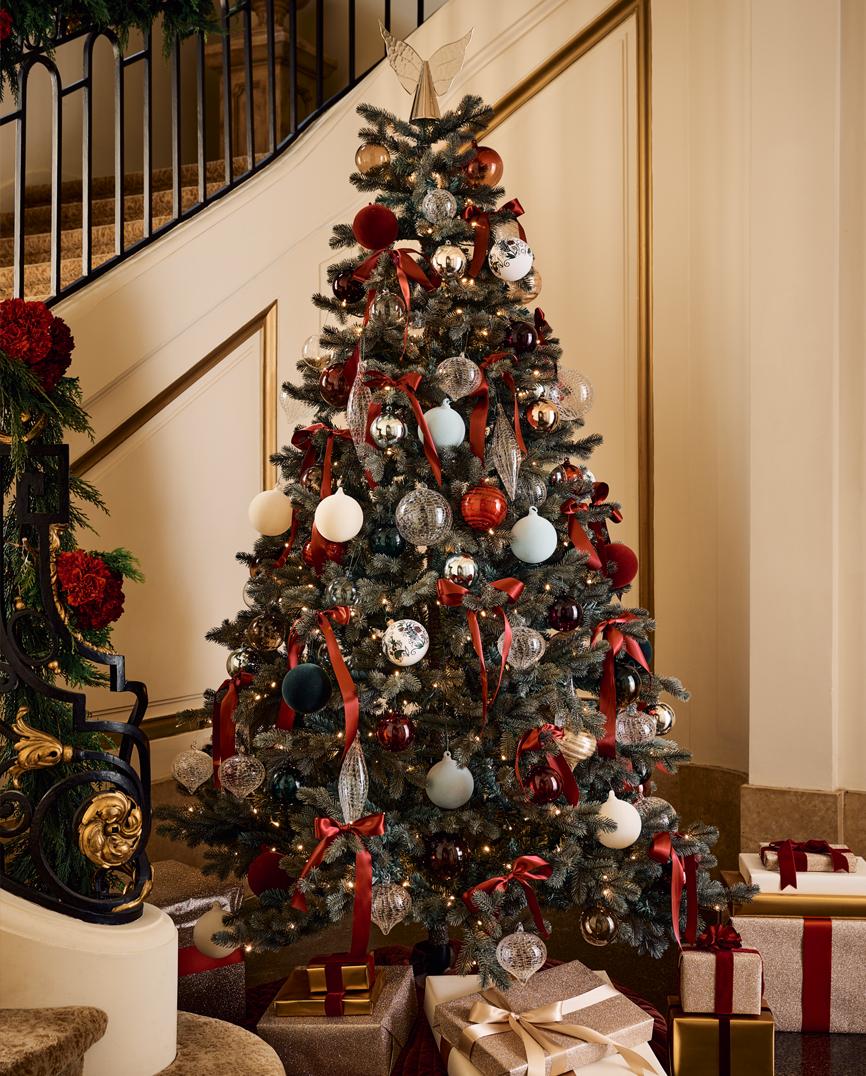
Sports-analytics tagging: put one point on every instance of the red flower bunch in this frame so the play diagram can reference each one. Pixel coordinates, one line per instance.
(5, 24)
(31, 334)
(90, 588)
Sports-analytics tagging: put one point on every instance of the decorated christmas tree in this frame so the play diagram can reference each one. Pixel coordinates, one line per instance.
(440, 706)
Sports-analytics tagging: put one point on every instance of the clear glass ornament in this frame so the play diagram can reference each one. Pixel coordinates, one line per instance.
(241, 774)
(577, 747)
(391, 904)
(665, 815)
(527, 648)
(423, 517)
(634, 726)
(438, 206)
(503, 453)
(457, 376)
(295, 410)
(580, 393)
(192, 769)
(387, 310)
(521, 954)
(357, 409)
(248, 594)
(239, 661)
(313, 355)
(598, 926)
(341, 592)
(265, 632)
(531, 490)
(387, 430)
(353, 783)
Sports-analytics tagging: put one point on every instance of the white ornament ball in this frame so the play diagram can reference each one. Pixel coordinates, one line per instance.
(270, 512)
(449, 785)
(446, 426)
(405, 642)
(627, 819)
(533, 538)
(212, 921)
(510, 258)
(339, 517)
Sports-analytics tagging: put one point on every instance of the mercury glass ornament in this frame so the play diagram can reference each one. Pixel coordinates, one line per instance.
(635, 726)
(353, 783)
(439, 205)
(461, 568)
(521, 954)
(504, 453)
(248, 594)
(370, 155)
(598, 926)
(577, 747)
(357, 412)
(664, 716)
(531, 490)
(312, 354)
(527, 648)
(423, 517)
(192, 769)
(449, 261)
(458, 376)
(387, 310)
(391, 904)
(241, 774)
(239, 661)
(341, 592)
(264, 632)
(387, 429)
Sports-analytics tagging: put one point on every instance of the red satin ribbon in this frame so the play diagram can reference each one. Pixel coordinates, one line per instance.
(408, 385)
(481, 410)
(223, 722)
(534, 741)
(607, 702)
(542, 328)
(327, 830)
(333, 964)
(526, 869)
(792, 857)
(480, 219)
(817, 973)
(684, 875)
(304, 437)
(190, 961)
(452, 595)
(577, 535)
(406, 269)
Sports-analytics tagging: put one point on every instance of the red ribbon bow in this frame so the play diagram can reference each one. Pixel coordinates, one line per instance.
(480, 220)
(223, 721)
(534, 741)
(792, 857)
(327, 830)
(719, 936)
(616, 641)
(453, 595)
(526, 869)
(684, 874)
(478, 418)
(542, 328)
(408, 385)
(303, 438)
(406, 269)
(578, 536)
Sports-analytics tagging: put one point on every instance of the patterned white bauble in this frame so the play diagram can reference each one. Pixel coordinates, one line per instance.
(449, 784)
(521, 954)
(270, 512)
(405, 642)
(439, 205)
(192, 768)
(339, 517)
(510, 258)
(423, 517)
(627, 819)
(241, 774)
(446, 426)
(533, 538)
(210, 923)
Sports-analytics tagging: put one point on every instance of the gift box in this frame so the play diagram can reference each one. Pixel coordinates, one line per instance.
(851, 883)
(814, 970)
(720, 1045)
(294, 999)
(206, 985)
(818, 856)
(445, 988)
(796, 902)
(719, 976)
(341, 972)
(576, 1019)
(347, 1045)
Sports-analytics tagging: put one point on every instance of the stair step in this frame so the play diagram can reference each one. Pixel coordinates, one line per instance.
(37, 247)
(37, 278)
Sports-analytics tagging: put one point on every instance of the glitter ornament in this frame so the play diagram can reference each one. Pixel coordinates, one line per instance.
(483, 507)
(395, 731)
(449, 260)
(405, 642)
(504, 454)
(212, 922)
(192, 769)
(522, 337)
(449, 785)
(531, 490)
(353, 783)
(264, 632)
(521, 954)
(270, 512)
(533, 538)
(391, 904)
(565, 615)
(664, 717)
(240, 661)
(460, 568)
(375, 226)
(635, 726)
(544, 784)
(527, 648)
(284, 784)
(598, 926)
(543, 415)
(312, 354)
(438, 205)
(446, 855)
(341, 592)
(485, 168)
(333, 385)
(370, 155)
(387, 310)
(346, 288)
(576, 747)
(446, 426)
(563, 472)
(458, 376)
(423, 517)
(387, 430)
(388, 541)
(241, 774)
(306, 688)
(510, 258)
(626, 818)
(338, 518)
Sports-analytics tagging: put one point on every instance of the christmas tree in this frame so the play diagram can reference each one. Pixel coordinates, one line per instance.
(465, 716)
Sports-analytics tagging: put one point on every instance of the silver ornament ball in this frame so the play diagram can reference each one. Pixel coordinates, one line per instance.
(449, 261)
(521, 954)
(460, 568)
(387, 430)
(665, 717)
(341, 592)
(527, 648)
(457, 376)
(192, 769)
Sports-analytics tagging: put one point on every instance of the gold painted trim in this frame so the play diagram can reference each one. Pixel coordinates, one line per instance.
(579, 45)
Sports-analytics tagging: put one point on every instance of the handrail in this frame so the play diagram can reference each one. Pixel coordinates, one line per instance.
(256, 35)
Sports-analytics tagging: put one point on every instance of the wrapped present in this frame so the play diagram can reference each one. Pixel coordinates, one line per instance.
(718, 975)
(796, 902)
(849, 883)
(340, 972)
(210, 986)
(295, 999)
(347, 1045)
(720, 1045)
(814, 969)
(561, 1020)
(790, 857)
(440, 989)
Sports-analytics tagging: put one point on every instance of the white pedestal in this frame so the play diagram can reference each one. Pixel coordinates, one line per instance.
(129, 971)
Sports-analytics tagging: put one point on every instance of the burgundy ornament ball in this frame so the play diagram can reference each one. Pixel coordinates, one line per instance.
(447, 855)
(483, 507)
(375, 226)
(624, 559)
(628, 684)
(544, 784)
(485, 168)
(565, 615)
(522, 337)
(395, 731)
(265, 872)
(333, 385)
(347, 289)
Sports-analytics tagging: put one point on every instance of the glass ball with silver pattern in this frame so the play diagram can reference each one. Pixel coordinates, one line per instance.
(439, 205)
(531, 490)
(527, 648)
(341, 592)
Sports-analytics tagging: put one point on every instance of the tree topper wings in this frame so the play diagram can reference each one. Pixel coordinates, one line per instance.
(426, 79)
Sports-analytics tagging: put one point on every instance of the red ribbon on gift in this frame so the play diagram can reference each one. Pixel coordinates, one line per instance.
(526, 869)
(325, 618)
(817, 973)
(333, 964)
(534, 741)
(453, 595)
(408, 385)
(792, 857)
(481, 410)
(480, 221)
(607, 704)
(190, 961)
(327, 830)
(726, 943)
(223, 723)
(684, 875)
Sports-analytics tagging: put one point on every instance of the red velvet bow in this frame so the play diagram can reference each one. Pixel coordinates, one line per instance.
(607, 703)
(406, 269)
(542, 328)
(223, 722)
(684, 874)
(408, 385)
(534, 741)
(792, 857)
(327, 830)
(453, 595)
(526, 869)
(719, 936)
(478, 419)
(480, 221)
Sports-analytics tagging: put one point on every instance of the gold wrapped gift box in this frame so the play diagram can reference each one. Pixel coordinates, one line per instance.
(355, 975)
(295, 999)
(794, 903)
(718, 1045)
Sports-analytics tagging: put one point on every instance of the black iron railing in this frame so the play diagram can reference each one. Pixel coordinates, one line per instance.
(256, 86)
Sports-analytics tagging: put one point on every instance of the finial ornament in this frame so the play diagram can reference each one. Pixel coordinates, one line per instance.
(426, 79)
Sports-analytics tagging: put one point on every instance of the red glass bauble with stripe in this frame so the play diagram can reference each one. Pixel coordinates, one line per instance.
(484, 507)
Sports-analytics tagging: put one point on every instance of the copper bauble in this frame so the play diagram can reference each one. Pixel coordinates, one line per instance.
(543, 415)
(564, 472)
(333, 385)
(484, 507)
(395, 731)
(347, 289)
(370, 155)
(485, 168)
(264, 632)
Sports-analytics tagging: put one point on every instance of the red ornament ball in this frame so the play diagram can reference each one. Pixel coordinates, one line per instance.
(522, 337)
(564, 472)
(347, 289)
(333, 551)
(265, 872)
(485, 168)
(334, 385)
(565, 615)
(484, 507)
(447, 855)
(624, 560)
(544, 784)
(375, 226)
(395, 731)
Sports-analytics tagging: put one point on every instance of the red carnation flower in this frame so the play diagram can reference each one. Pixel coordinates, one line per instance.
(25, 330)
(5, 24)
(90, 588)
(56, 362)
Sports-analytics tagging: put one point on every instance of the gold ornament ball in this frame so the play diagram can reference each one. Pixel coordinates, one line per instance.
(19, 604)
(54, 666)
(449, 260)
(527, 288)
(311, 479)
(543, 415)
(264, 632)
(577, 746)
(598, 926)
(371, 156)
